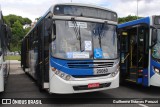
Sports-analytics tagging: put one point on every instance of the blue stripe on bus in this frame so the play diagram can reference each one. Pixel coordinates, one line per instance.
(135, 22)
(145, 77)
(62, 65)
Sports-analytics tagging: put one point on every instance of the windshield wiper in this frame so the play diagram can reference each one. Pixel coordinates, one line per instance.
(77, 32)
(100, 33)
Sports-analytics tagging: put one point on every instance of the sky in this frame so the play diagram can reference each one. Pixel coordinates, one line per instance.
(35, 8)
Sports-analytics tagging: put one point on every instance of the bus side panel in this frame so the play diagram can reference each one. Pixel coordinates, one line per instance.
(32, 61)
(37, 45)
(42, 66)
(1, 80)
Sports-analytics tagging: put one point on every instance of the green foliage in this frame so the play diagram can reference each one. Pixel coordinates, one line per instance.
(18, 32)
(10, 19)
(13, 58)
(26, 21)
(127, 19)
(26, 30)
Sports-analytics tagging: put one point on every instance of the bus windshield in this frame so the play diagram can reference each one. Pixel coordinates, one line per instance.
(84, 40)
(156, 48)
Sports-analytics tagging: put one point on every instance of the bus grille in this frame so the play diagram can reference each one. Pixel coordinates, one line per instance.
(86, 65)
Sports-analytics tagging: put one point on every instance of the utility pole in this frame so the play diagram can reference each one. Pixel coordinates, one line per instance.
(137, 9)
(71, 1)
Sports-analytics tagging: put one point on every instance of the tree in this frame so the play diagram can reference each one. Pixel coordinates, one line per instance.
(127, 19)
(26, 30)
(10, 19)
(26, 21)
(18, 32)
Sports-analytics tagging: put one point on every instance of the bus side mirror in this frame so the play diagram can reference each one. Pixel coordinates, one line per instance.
(51, 29)
(154, 36)
(48, 24)
(52, 36)
(48, 28)
(53, 32)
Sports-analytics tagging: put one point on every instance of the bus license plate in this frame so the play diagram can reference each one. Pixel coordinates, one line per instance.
(101, 71)
(93, 85)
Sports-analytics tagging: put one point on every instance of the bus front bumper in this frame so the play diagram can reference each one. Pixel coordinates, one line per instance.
(60, 86)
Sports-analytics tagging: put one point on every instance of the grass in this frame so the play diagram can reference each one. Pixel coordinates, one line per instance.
(13, 58)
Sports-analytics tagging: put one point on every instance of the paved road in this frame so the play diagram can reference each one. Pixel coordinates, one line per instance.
(20, 85)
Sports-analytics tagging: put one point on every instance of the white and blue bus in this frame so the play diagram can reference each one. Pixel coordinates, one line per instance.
(5, 34)
(140, 51)
(73, 49)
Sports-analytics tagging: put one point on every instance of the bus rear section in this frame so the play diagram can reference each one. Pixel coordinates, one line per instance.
(73, 53)
(138, 40)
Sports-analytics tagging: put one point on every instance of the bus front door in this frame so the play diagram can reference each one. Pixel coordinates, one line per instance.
(133, 56)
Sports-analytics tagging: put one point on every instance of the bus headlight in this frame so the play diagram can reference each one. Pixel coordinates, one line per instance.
(68, 77)
(62, 74)
(113, 74)
(57, 72)
(157, 70)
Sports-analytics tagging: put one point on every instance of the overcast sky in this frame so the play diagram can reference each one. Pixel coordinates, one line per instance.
(35, 8)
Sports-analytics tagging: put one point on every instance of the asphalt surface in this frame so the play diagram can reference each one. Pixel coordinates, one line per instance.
(20, 85)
